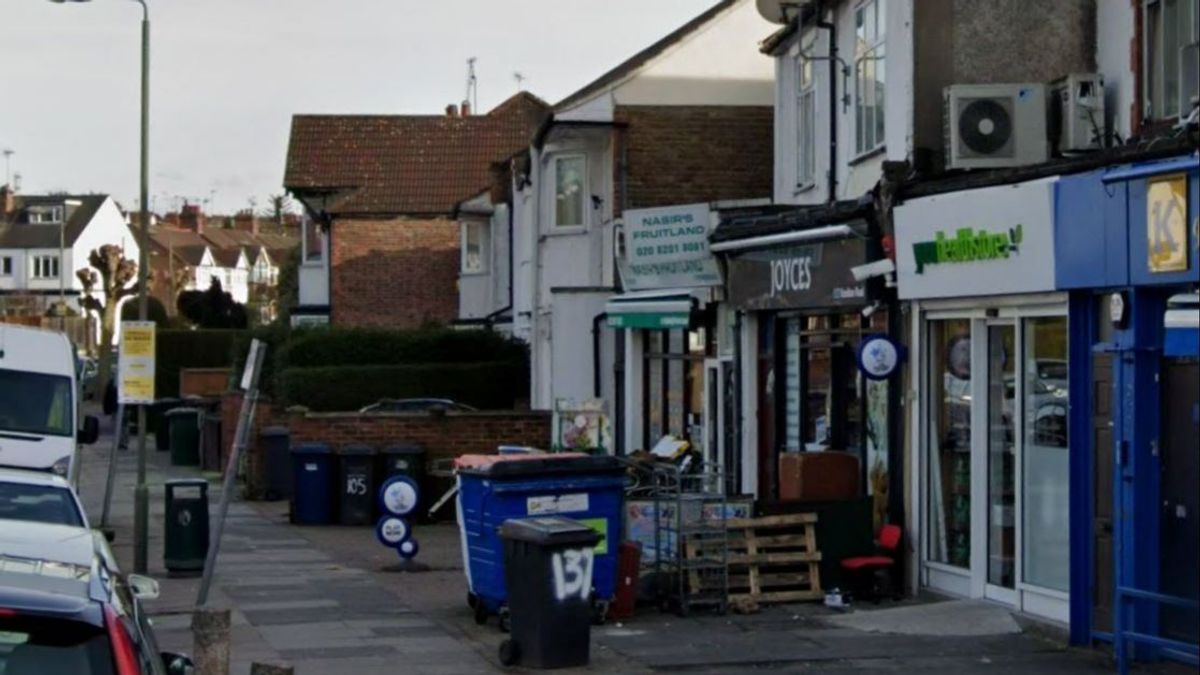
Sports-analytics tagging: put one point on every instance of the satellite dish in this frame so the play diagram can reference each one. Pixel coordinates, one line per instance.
(777, 11)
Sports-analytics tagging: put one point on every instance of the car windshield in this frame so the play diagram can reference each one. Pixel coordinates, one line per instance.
(36, 645)
(39, 504)
(43, 406)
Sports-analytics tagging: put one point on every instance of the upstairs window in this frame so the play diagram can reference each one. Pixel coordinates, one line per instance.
(45, 267)
(6, 266)
(45, 215)
(314, 242)
(570, 188)
(869, 75)
(474, 247)
(806, 124)
(1171, 58)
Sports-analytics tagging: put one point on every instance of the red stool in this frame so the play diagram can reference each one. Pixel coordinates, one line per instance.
(876, 572)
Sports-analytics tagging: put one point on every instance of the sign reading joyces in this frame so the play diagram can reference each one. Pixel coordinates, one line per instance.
(791, 274)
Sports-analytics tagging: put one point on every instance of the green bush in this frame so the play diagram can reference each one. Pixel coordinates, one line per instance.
(179, 349)
(368, 347)
(487, 385)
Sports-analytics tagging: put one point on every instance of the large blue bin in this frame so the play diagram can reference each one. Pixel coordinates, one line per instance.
(589, 489)
(312, 484)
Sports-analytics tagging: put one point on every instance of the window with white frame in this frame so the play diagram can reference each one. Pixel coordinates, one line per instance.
(314, 241)
(806, 124)
(474, 247)
(45, 215)
(570, 190)
(44, 267)
(1171, 57)
(6, 266)
(869, 75)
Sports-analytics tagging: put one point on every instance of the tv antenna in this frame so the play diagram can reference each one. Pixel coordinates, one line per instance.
(8, 153)
(520, 78)
(472, 85)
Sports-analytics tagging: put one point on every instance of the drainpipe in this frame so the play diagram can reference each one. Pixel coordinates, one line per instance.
(831, 174)
(597, 321)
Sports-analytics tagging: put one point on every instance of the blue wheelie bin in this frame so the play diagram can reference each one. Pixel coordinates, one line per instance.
(312, 484)
(496, 488)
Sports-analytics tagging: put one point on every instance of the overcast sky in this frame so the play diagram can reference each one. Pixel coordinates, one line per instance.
(227, 75)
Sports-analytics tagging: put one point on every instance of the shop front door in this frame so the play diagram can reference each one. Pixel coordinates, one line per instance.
(1179, 535)
(1103, 583)
(1000, 511)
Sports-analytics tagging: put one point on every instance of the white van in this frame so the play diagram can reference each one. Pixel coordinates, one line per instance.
(39, 401)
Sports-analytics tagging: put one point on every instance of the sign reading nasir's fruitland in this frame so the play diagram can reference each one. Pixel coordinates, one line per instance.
(668, 248)
(990, 241)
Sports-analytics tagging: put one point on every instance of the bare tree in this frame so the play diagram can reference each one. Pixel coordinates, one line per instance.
(113, 272)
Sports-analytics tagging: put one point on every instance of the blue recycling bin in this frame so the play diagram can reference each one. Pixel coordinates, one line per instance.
(589, 489)
(312, 484)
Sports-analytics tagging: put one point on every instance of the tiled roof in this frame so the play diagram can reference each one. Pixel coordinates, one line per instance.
(405, 164)
(19, 233)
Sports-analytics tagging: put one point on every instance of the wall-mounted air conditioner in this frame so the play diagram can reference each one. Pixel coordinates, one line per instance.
(1079, 116)
(995, 125)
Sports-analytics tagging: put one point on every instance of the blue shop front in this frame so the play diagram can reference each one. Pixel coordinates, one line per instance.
(1126, 251)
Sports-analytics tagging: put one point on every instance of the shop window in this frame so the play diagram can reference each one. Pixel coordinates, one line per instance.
(949, 442)
(1002, 456)
(1045, 469)
(821, 406)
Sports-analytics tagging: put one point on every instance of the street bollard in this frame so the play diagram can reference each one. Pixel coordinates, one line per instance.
(210, 641)
(270, 669)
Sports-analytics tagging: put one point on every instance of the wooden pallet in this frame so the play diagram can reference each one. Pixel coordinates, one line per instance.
(773, 559)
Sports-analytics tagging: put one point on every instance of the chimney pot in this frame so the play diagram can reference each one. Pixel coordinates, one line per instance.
(466, 108)
(451, 110)
(8, 202)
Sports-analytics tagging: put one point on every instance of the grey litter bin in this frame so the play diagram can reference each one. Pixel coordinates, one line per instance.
(277, 463)
(185, 539)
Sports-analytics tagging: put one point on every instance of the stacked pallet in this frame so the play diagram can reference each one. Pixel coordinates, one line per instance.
(773, 559)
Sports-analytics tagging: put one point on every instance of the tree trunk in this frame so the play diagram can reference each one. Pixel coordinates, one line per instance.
(108, 321)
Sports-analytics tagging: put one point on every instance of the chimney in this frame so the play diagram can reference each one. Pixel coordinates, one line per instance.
(451, 110)
(466, 108)
(8, 198)
(192, 218)
(246, 222)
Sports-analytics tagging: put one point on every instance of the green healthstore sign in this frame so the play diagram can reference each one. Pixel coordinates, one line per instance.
(966, 246)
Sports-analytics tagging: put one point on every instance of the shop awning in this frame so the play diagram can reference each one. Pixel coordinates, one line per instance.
(1182, 324)
(650, 309)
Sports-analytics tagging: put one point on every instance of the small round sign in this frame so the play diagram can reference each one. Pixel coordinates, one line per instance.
(409, 548)
(879, 356)
(391, 531)
(398, 496)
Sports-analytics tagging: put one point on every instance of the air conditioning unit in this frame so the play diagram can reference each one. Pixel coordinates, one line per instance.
(990, 126)
(1079, 117)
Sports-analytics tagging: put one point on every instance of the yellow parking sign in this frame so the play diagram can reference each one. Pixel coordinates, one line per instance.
(1166, 224)
(135, 363)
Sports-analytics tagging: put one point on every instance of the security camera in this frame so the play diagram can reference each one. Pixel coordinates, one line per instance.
(873, 269)
(870, 309)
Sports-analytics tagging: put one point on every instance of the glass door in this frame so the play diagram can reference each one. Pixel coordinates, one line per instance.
(1001, 462)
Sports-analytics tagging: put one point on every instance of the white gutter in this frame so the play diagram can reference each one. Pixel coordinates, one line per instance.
(827, 232)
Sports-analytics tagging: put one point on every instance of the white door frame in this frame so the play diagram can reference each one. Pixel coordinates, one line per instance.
(713, 409)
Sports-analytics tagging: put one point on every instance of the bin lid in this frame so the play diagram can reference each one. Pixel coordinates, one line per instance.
(533, 465)
(182, 411)
(186, 482)
(356, 450)
(311, 449)
(274, 431)
(549, 530)
(403, 449)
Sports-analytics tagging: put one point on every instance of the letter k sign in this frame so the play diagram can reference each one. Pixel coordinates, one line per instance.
(1166, 225)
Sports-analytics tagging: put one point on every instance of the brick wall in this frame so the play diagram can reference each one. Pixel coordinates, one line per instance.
(398, 273)
(684, 154)
(204, 382)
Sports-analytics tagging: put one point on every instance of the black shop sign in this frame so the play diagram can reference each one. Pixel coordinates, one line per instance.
(796, 277)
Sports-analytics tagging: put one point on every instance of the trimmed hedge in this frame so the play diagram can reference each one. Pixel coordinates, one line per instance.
(486, 385)
(179, 349)
(369, 347)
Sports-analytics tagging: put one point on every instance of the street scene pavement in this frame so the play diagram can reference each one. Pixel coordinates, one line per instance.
(332, 600)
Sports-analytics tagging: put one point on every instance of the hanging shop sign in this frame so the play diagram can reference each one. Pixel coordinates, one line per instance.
(1166, 224)
(987, 241)
(879, 356)
(809, 275)
(667, 248)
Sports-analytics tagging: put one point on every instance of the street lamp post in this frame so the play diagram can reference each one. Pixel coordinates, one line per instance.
(141, 502)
